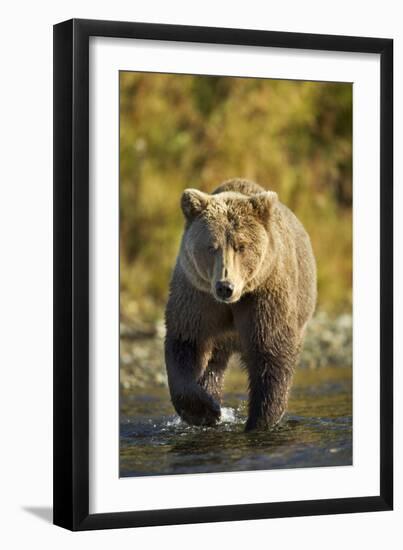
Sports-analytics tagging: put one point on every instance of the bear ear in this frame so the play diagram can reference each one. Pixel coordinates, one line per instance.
(263, 204)
(193, 203)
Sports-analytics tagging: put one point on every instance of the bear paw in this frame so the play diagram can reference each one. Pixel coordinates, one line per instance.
(262, 423)
(198, 409)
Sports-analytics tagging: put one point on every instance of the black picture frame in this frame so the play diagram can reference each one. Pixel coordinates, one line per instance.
(71, 273)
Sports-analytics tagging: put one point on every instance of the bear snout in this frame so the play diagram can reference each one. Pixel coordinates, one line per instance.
(224, 290)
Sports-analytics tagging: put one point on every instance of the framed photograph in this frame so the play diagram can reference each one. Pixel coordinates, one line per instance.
(223, 274)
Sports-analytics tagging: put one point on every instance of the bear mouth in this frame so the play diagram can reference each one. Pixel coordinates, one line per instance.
(231, 300)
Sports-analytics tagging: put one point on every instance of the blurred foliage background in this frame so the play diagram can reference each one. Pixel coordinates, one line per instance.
(179, 131)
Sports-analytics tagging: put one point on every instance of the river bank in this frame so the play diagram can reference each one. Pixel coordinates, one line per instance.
(328, 343)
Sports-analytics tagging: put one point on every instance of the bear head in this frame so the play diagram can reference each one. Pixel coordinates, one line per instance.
(227, 241)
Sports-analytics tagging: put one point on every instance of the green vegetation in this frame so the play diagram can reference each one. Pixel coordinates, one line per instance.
(186, 131)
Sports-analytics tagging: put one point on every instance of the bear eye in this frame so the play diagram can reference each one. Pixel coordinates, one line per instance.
(240, 248)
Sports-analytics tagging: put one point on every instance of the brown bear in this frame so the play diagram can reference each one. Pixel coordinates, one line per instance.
(244, 281)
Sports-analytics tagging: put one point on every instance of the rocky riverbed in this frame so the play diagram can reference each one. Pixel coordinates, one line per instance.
(328, 342)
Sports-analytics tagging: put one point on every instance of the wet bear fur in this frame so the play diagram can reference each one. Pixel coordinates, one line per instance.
(243, 239)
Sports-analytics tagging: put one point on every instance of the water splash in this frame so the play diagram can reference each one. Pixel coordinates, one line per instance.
(229, 415)
(173, 422)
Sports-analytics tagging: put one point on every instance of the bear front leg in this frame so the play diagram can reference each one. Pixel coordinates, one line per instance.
(213, 378)
(270, 344)
(185, 363)
(270, 374)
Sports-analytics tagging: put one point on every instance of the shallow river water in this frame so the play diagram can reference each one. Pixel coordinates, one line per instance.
(316, 431)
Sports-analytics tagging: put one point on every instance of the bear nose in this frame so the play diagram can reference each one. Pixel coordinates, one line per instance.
(224, 289)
